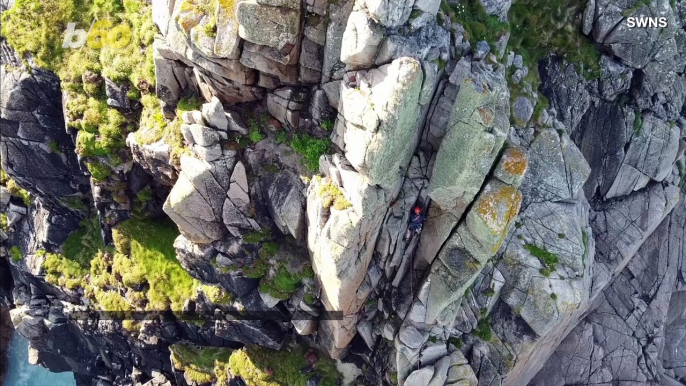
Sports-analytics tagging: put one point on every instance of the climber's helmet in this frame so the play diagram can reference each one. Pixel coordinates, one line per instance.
(417, 210)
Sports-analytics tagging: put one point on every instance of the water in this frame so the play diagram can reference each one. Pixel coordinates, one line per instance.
(21, 373)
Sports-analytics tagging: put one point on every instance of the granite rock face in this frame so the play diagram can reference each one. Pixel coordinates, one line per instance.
(36, 150)
(290, 144)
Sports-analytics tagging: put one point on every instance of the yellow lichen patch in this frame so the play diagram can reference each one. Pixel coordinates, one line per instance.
(498, 206)
(515, 161)
(190, 14)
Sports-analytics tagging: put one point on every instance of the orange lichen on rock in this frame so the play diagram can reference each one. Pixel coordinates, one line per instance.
(499, 206)
(515, 161)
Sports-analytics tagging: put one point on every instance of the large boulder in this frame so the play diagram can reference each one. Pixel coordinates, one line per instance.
(195, 202)
(361, 40)
(477, 129)
(277, 27)
(286, 200)
(380, 113)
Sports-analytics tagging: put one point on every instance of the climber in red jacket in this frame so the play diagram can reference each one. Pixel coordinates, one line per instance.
(416, 223)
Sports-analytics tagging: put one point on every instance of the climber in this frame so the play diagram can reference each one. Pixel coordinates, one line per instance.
(416, 223)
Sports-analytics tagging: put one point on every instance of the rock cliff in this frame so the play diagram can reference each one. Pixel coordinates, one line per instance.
(225, 198)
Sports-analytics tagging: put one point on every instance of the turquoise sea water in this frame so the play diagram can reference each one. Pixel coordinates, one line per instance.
(21, 373)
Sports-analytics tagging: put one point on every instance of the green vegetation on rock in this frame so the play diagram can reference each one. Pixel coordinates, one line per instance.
(18, 191)
(638, 122)
(144, 254)
(201, 364)
(310, 149)
(16, 254)
(540, 28)
(36, 28)
(477, 23)
(191, 103)
(254, 364)
(333, 196)
(548, 259)
(483, 330)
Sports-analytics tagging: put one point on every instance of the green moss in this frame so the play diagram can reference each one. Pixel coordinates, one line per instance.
(489, 292)
(152, 249)
(74, 203)
(256, 270)
(202, 364)
(216, 294)
(269, 249)
(310, 149)
(457, 342)
(309, 298)
(483, 330)
(254, 133)
(440, 63)
(540, 28)
(638, 122)
(553, 296)
(282, 284)
(4, 222)
(153, 123)
(251, 364)
(16, 254)
(327, 125)
(191, 103)
(548, 259)
(145, 194)
(682, 175)
(211, 27)
(477, 23)
(18, 191)
(82, 245)
(415, 14)
(144, 254)
(99, 171)
(54, 147)
(257, 236)
(281, 137)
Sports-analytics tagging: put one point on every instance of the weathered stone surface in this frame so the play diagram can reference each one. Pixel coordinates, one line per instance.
(332, 67)
(286, 200)
(285, 105)
(633, 319)
(497, 7)
(429, 43)
(154, 158)
(361, 40)
(195, 202)
(36, 150)
(381, 111)
(213, 113)
(193, 19)
(420, 377)
(565, 90)
(634, 46)
(267, 25)
(477, 129)
(389, 14)
(342, 241)
(557, 169)
(269, 61)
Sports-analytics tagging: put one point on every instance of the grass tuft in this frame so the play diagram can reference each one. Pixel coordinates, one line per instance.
(253, 362)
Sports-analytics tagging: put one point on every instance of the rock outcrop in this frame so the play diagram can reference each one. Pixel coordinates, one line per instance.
(246, 212)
